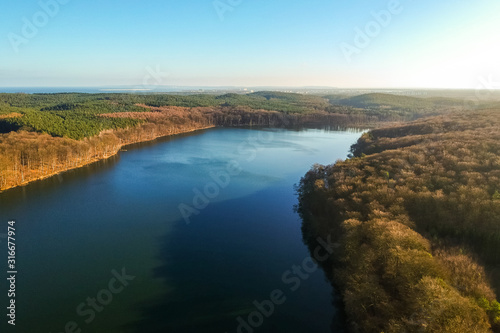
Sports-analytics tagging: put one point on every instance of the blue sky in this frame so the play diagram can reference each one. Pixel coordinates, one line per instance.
(436, 44)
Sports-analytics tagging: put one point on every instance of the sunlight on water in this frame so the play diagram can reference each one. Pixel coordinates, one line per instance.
(125, 213)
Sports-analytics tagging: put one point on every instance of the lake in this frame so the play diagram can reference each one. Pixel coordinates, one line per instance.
(193, 233)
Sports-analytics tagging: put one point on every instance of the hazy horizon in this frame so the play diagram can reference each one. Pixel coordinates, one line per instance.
(159, 88)
(357, 45)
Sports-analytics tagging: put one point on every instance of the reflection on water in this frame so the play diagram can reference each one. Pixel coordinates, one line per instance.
(42, 187)
(76, 228)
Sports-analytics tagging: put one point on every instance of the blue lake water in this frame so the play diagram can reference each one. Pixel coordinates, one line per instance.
(194, 233)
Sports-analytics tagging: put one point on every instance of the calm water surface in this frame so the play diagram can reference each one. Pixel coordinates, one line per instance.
(194, 269)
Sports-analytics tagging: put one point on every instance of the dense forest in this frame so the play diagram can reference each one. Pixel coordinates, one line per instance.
(42, 134)
(414, 212)
(415, 217)
(79, 116)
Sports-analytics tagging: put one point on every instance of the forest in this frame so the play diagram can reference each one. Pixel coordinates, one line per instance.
(415, 215)
(414, 211)
(43, 134)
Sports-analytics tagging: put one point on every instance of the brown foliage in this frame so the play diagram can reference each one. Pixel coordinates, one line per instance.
(29, 156)
(10, 115)
(436, 178)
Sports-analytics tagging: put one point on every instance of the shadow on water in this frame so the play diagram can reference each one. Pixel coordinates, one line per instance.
(216, 267)
(339, 321)
(53, 183)
(232, 254)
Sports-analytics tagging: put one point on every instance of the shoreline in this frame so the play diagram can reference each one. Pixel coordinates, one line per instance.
(129, 143)
(97, 159)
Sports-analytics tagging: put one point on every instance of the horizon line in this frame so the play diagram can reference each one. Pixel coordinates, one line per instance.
(152, 89)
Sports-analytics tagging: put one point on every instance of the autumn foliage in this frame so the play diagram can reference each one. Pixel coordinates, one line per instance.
(416, 217)
(47, 134)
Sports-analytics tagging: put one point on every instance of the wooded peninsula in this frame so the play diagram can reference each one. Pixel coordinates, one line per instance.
(415, 216)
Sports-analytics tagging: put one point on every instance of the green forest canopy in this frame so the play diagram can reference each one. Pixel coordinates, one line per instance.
(76, 115)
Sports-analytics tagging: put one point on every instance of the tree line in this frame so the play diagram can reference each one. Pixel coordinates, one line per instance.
(97, 117)
(415, 212)
(38, 144)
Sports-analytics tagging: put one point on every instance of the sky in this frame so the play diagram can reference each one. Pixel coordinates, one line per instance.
(334, 43)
